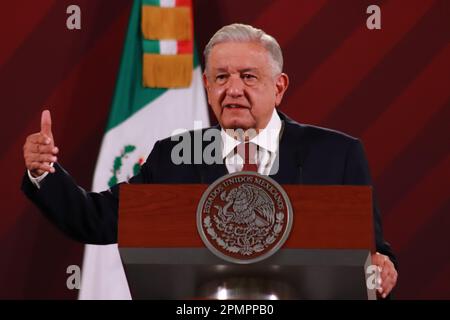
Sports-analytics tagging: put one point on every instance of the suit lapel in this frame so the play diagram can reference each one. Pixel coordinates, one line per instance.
(289, 155)
(211, 172)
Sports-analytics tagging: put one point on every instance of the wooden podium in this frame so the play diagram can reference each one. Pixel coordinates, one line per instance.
(325, 256)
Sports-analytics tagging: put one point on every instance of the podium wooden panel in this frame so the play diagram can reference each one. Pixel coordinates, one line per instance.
(325, 217)
(325, 256)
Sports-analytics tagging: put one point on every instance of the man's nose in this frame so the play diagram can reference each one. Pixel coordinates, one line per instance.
(235, 87)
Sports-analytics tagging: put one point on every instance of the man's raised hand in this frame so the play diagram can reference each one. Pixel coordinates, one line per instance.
(39, 150)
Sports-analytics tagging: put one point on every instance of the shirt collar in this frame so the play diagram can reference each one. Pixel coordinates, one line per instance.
(267, 138)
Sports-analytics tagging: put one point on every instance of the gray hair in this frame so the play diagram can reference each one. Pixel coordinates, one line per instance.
(238, 32)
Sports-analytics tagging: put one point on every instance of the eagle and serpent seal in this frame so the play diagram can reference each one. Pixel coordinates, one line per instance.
(244, 217)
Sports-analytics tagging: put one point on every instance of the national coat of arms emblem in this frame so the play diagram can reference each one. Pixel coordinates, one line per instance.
(244, 217)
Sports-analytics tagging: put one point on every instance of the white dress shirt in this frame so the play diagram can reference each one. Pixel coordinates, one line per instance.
(267, 141)
(36, 181)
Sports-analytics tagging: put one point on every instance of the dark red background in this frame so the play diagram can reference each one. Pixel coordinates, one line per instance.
(389, 87)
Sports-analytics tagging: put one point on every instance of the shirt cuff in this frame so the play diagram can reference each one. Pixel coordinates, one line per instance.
(37, 180)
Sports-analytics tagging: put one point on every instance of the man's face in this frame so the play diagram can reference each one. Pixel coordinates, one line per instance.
(241, 85)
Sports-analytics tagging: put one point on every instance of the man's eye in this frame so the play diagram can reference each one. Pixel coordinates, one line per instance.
(248, 76)
(221, 77)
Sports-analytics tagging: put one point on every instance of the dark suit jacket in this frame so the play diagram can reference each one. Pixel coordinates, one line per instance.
(307, 154)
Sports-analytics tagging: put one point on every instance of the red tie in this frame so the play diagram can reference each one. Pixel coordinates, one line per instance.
(247, 150)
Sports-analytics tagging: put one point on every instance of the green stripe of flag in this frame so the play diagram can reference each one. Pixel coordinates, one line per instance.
(151, 3)
(151, 46)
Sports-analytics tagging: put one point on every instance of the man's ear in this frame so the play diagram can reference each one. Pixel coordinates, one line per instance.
(206, 84)
(281, 84)
(205, 81)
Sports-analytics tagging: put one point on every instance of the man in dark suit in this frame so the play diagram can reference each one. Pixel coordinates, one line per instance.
(244, 82)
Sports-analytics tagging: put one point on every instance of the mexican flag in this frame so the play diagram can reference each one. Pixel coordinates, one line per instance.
(159, 89)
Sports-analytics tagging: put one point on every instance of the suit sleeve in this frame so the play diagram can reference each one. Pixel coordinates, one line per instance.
(87, 217)
(357, 173)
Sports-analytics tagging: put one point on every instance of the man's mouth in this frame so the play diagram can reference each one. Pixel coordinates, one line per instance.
(234, 106)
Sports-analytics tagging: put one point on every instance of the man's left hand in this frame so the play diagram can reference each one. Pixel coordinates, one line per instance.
(387, 272)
